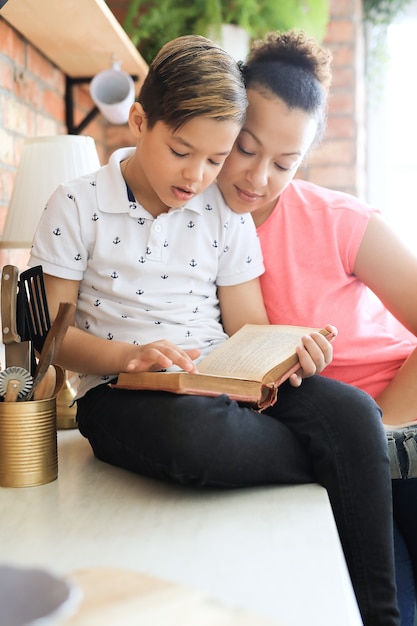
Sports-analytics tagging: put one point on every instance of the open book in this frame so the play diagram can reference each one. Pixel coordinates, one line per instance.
(248, 367)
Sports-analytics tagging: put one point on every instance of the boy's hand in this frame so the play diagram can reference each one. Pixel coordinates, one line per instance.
(315, 353)
(161, 355)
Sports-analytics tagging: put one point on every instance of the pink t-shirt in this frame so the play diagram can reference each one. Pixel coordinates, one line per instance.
(310, 243)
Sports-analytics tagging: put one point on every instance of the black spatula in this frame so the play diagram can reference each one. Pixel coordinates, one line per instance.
(33, 306)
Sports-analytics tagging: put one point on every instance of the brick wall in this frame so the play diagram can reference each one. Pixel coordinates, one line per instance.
(32, 93)
(339, 162)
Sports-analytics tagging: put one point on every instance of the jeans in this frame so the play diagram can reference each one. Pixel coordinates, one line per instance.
(323, 431)
(404, 492)
(404, 580)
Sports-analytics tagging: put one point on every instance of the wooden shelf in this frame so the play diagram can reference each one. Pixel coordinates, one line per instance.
(80, 37)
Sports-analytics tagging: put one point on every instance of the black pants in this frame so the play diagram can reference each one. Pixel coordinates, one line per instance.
(404, 494)
(324, 431)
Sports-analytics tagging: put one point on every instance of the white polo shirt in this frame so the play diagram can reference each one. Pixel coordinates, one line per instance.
(143, 278)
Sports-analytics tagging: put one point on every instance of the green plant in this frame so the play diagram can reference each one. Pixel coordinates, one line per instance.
(258, 18)
(383, 12)
(151, 23)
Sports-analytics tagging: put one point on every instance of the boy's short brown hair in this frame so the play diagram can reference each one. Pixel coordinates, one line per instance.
(192, 76)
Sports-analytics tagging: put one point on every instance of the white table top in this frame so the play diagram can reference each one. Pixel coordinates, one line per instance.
(272, 551)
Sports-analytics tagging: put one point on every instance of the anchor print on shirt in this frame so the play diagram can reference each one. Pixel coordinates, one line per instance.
(116, 240)
(57, 232)
(94, 217)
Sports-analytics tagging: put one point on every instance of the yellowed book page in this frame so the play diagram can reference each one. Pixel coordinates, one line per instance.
(253, 351)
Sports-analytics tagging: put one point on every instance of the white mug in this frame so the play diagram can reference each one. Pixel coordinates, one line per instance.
(113, 92)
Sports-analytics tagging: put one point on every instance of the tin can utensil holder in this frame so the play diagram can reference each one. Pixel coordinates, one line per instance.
(28, 443)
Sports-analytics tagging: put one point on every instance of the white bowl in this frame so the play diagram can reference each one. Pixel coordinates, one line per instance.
(34, 597)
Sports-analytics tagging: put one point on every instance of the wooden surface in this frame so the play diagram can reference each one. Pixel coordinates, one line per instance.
(79, 37)
(118, 596)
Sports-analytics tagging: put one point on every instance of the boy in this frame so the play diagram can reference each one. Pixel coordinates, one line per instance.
(160, 275)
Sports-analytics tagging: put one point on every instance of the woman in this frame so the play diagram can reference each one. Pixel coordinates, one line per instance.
(324, 252)
(161, 271)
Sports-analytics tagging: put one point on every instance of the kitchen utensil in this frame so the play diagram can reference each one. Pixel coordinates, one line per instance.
(22, 324)
(18, 352)
(46, 388)
(15, 383)
(54, 338)
(42, 367)
(32, 287)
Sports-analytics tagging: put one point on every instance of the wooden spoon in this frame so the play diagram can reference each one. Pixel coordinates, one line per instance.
(53, 341)
(46, 388)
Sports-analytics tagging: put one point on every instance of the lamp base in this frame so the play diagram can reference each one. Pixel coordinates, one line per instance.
(66, 408)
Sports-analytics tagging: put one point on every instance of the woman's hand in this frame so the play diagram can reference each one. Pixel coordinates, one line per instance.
(314, 354)
(161, 355)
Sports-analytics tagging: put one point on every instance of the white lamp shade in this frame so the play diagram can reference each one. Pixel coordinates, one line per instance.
(46, 162)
